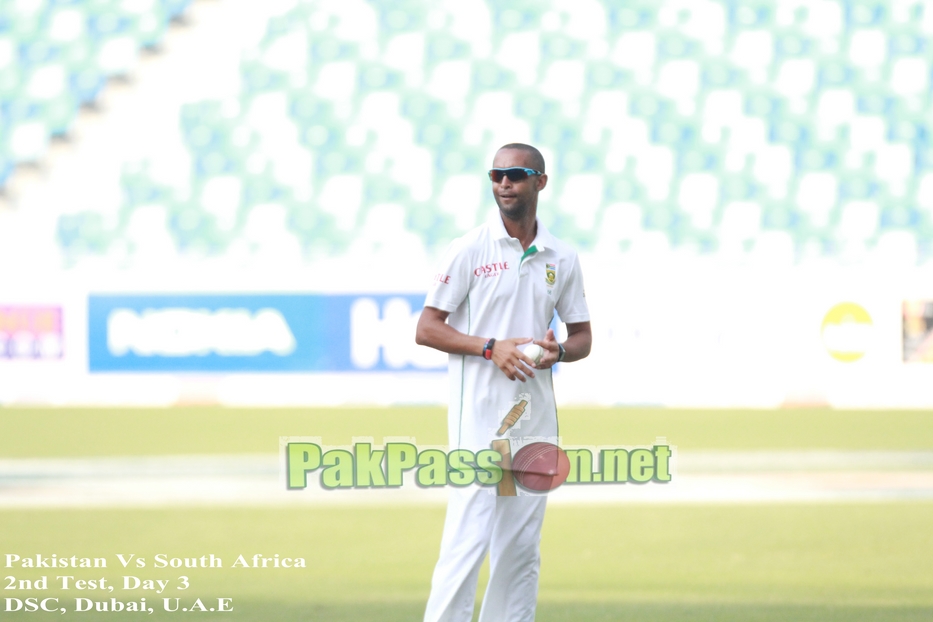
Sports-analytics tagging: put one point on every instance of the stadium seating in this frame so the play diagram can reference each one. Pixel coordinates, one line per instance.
(56, 56)
(747, 129)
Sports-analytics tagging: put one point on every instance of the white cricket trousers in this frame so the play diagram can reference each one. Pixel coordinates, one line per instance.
(510, 529)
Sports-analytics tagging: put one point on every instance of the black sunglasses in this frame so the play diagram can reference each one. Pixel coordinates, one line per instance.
(516, 173)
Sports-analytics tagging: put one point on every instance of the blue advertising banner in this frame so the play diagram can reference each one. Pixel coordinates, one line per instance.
(256, 333)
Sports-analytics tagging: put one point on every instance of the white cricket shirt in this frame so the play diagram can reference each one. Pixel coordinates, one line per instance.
(493, 288)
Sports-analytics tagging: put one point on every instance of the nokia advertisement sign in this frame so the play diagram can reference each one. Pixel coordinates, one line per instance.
(257, 333)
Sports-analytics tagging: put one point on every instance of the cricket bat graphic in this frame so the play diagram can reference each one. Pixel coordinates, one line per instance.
(512, 417)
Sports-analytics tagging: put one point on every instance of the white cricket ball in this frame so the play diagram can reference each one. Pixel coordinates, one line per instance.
(534, 352)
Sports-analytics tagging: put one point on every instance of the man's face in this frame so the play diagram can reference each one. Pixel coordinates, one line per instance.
(515, 198)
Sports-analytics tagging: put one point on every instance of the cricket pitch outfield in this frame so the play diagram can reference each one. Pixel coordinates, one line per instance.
(806, 559)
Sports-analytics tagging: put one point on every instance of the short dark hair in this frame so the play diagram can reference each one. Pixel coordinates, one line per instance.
(537, 160)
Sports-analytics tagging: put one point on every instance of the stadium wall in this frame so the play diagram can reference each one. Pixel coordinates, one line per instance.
(691, 335)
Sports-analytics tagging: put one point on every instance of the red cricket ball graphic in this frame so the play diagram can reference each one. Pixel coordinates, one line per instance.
(540, 466)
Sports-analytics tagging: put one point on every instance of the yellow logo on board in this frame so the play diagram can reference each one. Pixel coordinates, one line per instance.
(847, 332)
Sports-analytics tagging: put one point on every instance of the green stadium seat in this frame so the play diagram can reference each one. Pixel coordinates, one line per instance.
(717, 73)
(440, 46)
(687, 237)
(764, 102)
(749, 14)
(637, 15)
(623, 188)
(195, 232)
(899, 216)
(778, 215)
(676, 45)
(174, 8)
(863, 13)
(580, 158)
(83, 233)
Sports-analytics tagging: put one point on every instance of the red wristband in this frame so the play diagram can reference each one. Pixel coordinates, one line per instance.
(487, 349)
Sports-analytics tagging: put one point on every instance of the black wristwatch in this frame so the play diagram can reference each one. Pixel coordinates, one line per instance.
(560, 357)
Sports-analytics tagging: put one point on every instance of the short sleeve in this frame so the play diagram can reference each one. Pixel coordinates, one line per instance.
(571, 306)
(450, 283)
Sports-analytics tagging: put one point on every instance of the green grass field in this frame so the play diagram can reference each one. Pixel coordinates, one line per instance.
(685, 562)
(34, 432)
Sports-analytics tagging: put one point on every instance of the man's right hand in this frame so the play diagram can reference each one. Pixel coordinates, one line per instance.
(512, 361)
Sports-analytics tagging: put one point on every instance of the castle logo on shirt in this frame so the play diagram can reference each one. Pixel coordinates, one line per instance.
(491, 269)
(550, 274)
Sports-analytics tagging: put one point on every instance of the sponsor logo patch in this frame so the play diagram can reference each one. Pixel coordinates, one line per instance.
(491, 269)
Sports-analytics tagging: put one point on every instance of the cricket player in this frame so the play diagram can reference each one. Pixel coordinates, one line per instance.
(495, 291)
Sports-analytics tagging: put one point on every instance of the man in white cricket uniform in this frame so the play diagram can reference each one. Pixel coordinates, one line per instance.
(496, 290)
